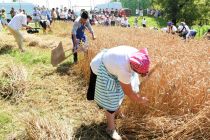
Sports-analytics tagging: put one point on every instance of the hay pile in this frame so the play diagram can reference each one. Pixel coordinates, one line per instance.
(48, 128)
(40, 41)
(4, 48)
(189, 126)
(197, 127)
(33, 43)
(6, 43)
(14, 83)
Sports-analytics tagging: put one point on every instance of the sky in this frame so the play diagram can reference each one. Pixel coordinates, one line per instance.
(62, 3)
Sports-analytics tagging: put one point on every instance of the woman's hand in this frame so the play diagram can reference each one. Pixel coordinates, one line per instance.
(143, 100)
(133, 96)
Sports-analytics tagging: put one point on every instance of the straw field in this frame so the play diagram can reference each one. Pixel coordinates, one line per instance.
(177, 90)
(179, 98)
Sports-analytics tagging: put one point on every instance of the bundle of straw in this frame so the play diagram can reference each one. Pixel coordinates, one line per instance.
(14, 82)
(38, 128)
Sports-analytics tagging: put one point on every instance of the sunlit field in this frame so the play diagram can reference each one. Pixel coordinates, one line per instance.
(39, 101)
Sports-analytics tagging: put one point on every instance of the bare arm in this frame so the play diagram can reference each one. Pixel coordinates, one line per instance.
(129, 92)
(74, 30)
(26, 26)
(74, 38)
(90, 29)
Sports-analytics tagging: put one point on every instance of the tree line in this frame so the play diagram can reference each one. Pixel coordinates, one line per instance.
(190, 11)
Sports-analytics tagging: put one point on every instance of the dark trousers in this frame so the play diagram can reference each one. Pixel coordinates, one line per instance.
(91, 87)
(75, 47)
(74, 51)
(75, 57)
(43, 24)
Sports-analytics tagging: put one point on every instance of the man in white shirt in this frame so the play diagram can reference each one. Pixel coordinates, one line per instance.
(62, 15)
(65, 14)
(118, 20)
(144, 22)
(18, 22)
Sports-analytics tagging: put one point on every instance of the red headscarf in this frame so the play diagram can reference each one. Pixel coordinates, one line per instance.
(140, 61)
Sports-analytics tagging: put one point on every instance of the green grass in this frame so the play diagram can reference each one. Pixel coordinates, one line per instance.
(3, 29)
(151, 21)
(3, 82)
(201, 30)
(5, 123)
(4, 119)
(31, 57)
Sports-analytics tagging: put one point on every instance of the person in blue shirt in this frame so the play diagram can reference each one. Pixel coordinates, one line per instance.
(78, 32)
(49, 17)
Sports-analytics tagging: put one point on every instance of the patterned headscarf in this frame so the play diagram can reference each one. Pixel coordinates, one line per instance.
(140, 61)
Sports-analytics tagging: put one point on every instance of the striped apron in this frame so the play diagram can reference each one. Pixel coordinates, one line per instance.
(108, 92)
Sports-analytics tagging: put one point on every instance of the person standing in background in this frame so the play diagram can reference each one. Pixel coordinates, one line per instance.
(54, 15)
(36, 17)
(58, 14)
(0, 20)
(3, 18)
(136, 22)
(66, 14)
(62, 15)
(144, 22)
(12, 12)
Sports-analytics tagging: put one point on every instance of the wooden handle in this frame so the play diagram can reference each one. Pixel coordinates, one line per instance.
(67, 50)
(80, 48)
(69, 55)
